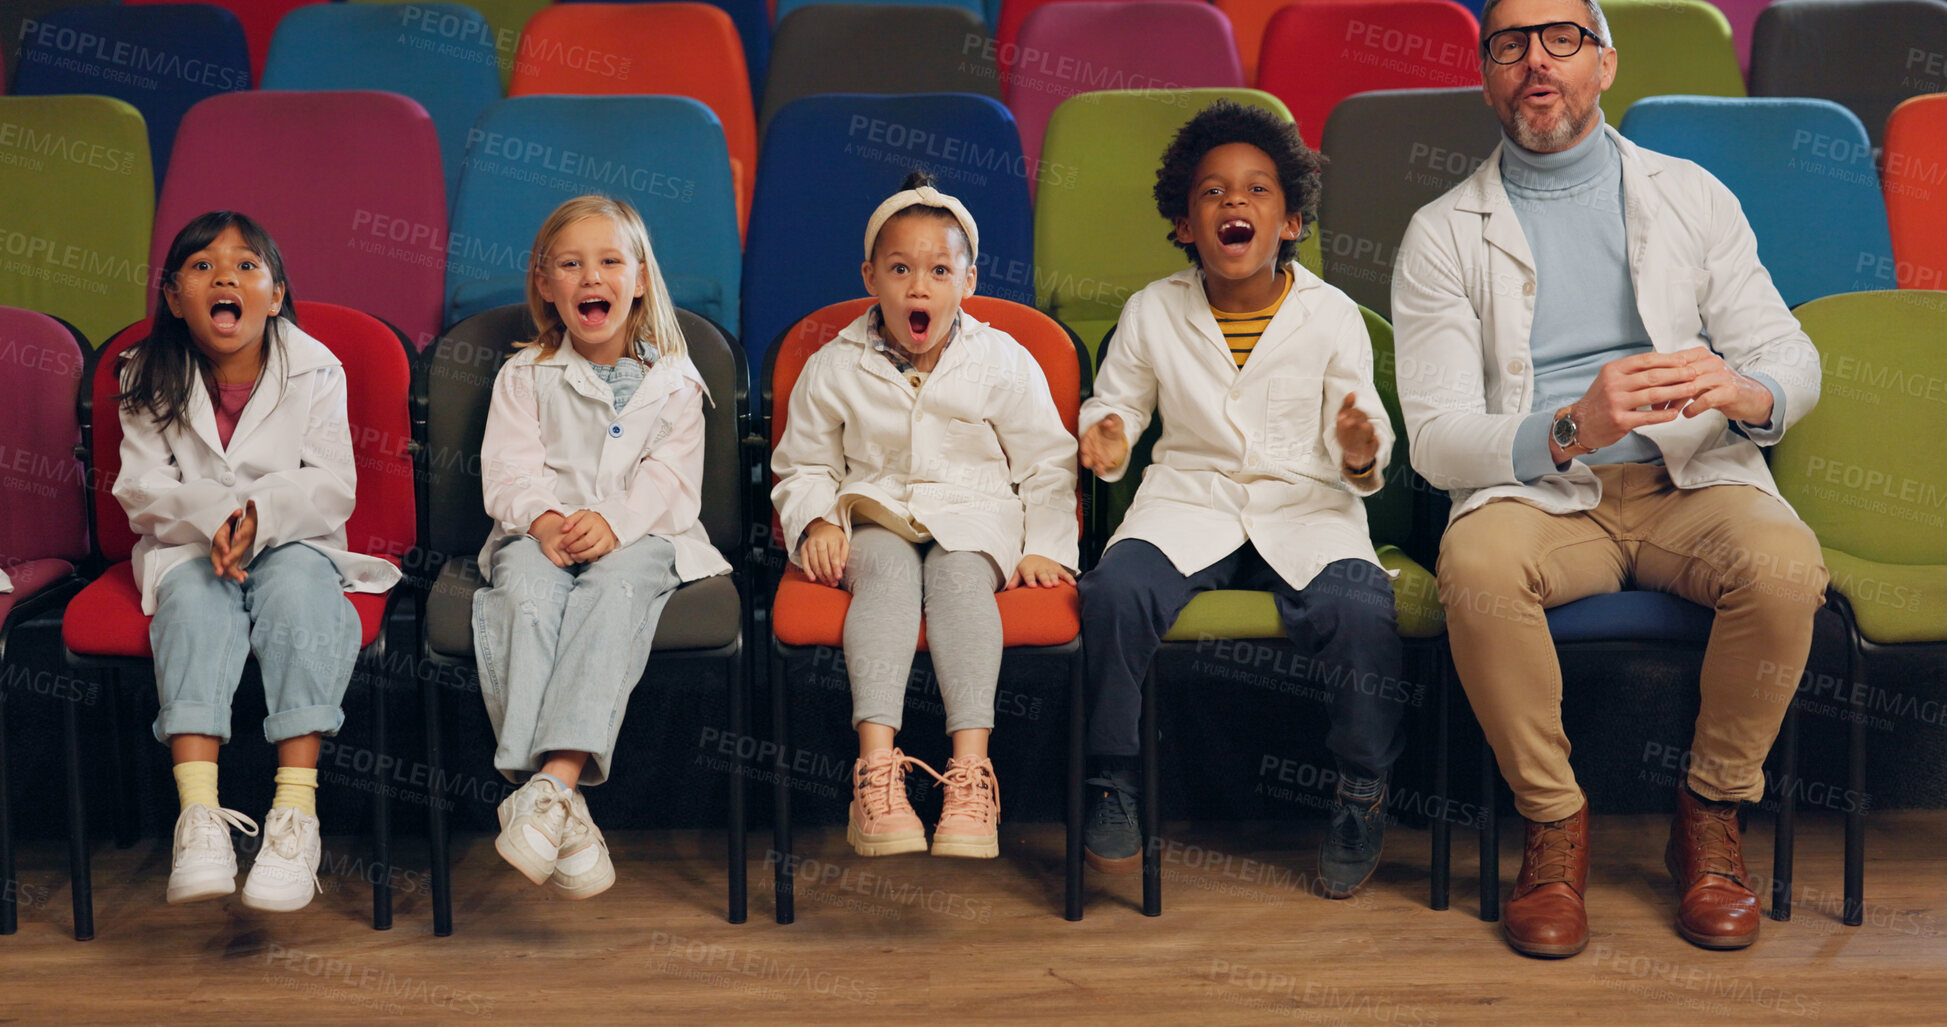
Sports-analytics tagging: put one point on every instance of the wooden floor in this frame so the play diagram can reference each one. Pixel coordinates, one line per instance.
(943, 941)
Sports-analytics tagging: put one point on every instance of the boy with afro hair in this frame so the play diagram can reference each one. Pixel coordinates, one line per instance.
(1272, 432)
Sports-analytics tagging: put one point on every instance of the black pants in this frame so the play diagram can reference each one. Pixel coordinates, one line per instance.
(1342, 623)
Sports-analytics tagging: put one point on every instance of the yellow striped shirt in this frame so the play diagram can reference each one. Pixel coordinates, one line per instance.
(1241, 331)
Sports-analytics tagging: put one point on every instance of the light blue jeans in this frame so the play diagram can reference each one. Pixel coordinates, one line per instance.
(559, 650)
(291, 613)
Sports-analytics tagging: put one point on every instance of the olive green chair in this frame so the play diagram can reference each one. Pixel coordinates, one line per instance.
(1877, 509)
(1669, 46)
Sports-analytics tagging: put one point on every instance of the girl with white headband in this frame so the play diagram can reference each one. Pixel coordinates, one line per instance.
(923, 463)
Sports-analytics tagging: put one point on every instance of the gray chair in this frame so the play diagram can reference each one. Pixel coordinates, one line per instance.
(1389, 154)
(1867, 55)
(705, 620)
(843, 48)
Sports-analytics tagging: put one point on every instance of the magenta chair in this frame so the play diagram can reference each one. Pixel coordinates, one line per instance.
(44, 529)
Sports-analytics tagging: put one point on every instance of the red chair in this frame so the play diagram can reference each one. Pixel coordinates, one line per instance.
(805, 616)
(677, 49)
(105, 629)
(1916, 201)
(259, 18)
(44, 529)
(1320, 52)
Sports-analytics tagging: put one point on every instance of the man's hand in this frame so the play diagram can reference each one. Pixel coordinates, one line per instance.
(1104, 446)
(586, 537)
(824, 552)
(230, 549)
(1613, 406)
(1039, 572)
(1356, 435)
(1720, 387)
(546, 530)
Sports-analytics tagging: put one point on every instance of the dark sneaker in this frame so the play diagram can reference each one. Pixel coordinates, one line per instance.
(1112, 840)
(1351, 849)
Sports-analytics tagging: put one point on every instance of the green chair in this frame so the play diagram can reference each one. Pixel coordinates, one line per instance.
(1244, 614)
(1666, 47)
(1097, 237)
(1877, 511)
(79, 199)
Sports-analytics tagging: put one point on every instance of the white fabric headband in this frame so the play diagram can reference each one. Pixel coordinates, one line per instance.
(924, 196)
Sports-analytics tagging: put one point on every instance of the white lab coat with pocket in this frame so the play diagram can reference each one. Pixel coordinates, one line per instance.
(291, 453)
(977, 455)
(1251, 453)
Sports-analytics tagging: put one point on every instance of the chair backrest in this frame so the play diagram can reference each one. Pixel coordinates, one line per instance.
(1319, 52)
(458, 390)
(378, 389)
(785, 8)
(1666, 47)
(46, 512)
(1389, 154)
(259, 19)
(504, 21)
(79, 200)
(1090, 45)
(1884, 366)
(829, 162)
(1007, 35)
(1866, 54)
(1097, 236)
(1914, 173)
(533, 152)
(1783, 158)
(1248, 20)
(162, 60)
(674, 49)
(822, 48)
(440, 54)
(1743, 17)
(348, 183)
(17, 18)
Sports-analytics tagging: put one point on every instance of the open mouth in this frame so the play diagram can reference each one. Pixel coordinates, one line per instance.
(918, 322)
(593, 313)
(1235, 232)
(225, 314)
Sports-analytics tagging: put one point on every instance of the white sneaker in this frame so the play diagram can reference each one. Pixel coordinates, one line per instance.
(285, 874)
(204, 862)
(532, 823)
(583, 869)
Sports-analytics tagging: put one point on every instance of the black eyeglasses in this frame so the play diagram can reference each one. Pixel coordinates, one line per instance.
(1562, 39)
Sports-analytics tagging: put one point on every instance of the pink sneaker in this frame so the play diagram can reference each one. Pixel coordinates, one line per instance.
(883, 822)
(970, 820)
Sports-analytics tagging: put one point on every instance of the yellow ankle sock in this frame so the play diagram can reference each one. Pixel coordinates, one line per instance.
(297, 788)
(196, 783)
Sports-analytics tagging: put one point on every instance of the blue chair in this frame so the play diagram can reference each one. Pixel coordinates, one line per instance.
(440, 54)
(530, 153)
(1784, 158)
(828, 163)
(978, 7)
(160, 60)
(753, 21)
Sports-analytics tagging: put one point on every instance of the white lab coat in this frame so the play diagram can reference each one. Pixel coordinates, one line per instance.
(1246, 454)
(977, 455)
(291, 453)
(1464, 302)
(555, 442)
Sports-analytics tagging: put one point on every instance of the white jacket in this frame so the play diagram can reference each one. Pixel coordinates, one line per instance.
(1246, 454)
(555, 442)
(291, 453)
(977, 455)
(1464, 301)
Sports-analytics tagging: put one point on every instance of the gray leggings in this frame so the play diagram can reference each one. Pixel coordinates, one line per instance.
(963, 627)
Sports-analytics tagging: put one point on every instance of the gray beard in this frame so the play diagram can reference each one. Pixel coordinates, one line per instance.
(1553, 141)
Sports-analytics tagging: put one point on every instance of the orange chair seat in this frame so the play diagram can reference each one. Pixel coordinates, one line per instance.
(807, 613)
(106, 618)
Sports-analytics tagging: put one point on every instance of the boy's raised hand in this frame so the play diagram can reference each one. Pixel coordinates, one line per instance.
(1038, 572)
(586, 537)
(1357, 437)
(824, 552)
(231, 545)
(1104, 446)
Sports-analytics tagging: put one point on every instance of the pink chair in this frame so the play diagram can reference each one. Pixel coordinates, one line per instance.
(1007, 32)
(348, 183)
(1743, 16)
(1322, 51)
(1088, 46)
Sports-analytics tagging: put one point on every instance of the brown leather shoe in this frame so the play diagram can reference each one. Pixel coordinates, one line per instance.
(1716, 909)
(1545, 917)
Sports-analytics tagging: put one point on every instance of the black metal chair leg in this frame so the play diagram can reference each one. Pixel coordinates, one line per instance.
(1152, 806)
(1855, 908)
(436, 838)
(381, 809)
(1442, 856)
(79, 877)
(1076, 739)
(1782, 840)
(128, 803)
(1490, 847)
(737, 692)
(783, 880)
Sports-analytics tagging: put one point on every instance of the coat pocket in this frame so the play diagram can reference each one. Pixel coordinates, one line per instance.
(1291, 417)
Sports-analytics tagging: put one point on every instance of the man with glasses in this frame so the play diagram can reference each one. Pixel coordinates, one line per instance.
(1591, 358)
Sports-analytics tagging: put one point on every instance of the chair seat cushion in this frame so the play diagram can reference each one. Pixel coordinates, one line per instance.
(1894, 603)
(1236, 613)
(106, 619)
(1632, 616)
(704, 614)
(29, 578)
(806, 613)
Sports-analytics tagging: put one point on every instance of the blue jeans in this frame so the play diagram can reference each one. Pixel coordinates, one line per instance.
(291, 613)
(560, 649)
